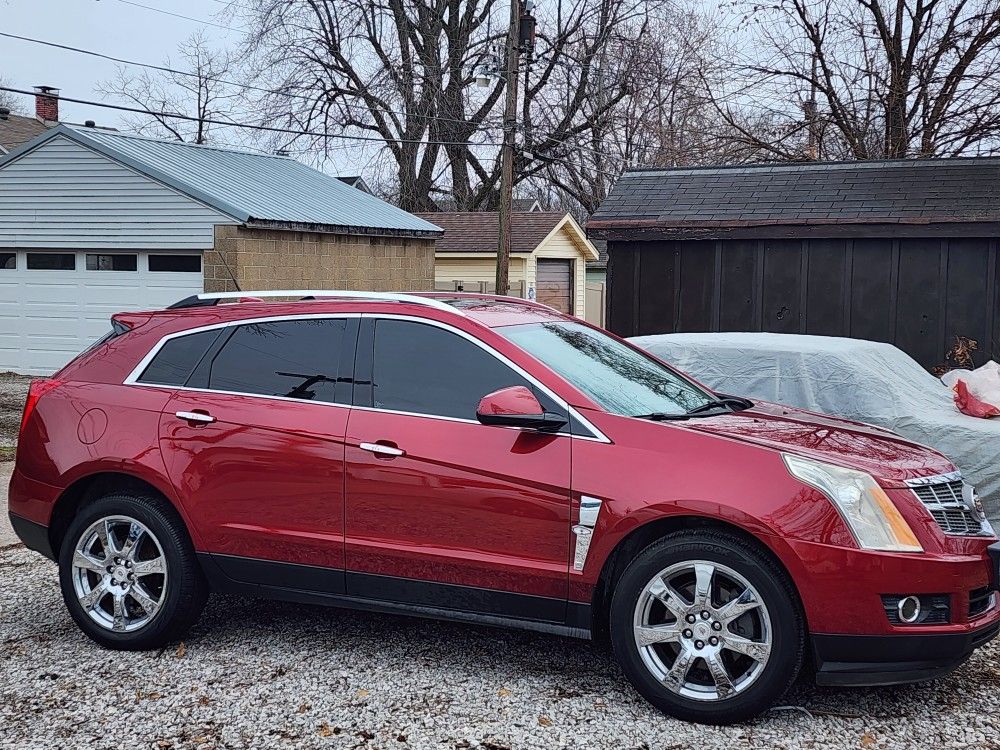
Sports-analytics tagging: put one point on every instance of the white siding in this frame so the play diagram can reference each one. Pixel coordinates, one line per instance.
(474, 269)
(48, 317)
(560, 245)
(63, 195)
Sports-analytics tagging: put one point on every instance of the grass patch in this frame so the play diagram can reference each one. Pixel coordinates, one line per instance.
(7, 452)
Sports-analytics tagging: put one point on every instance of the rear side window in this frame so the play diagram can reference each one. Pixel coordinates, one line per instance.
(423, 369)
(177, 358)
(289, 358)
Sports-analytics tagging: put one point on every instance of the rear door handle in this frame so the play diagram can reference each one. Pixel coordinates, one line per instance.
(195, 416)
(382, 449)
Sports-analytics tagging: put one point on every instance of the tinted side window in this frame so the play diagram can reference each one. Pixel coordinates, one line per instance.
(426, 370)
(291, 358)
(177, 358)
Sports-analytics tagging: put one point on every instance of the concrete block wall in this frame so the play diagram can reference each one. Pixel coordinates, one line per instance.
(277, 259)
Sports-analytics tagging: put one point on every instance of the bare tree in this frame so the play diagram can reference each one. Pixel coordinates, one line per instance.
(889, 79)
(403, 72)
(664, 117)
(8, 100)
(199, 87)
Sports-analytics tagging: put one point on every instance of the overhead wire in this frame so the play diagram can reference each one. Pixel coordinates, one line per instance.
(252, 126)
(217, 79)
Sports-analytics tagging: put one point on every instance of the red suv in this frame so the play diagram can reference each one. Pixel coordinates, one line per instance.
(491, 460)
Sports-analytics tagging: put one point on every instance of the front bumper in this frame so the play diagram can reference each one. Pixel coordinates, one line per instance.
(852, 660)
(841, 588)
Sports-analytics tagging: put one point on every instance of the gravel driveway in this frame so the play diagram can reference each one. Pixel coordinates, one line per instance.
(261, 674)
(13, 391)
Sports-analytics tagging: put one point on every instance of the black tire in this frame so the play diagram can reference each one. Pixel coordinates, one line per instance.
(787, 631)
(182, 592)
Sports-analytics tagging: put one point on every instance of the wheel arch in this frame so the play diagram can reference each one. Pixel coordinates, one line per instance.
(87, 488)
(645, 534)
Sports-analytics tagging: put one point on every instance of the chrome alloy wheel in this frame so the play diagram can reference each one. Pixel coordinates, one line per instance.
(702, 630)
(119, 573)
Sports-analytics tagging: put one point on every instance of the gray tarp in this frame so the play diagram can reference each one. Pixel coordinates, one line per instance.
(861, 380)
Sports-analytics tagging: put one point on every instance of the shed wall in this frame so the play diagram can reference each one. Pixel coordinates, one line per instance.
(276, 259)
(561, 246)
(916, 293)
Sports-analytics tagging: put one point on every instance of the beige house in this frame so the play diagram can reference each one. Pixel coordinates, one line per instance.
(548, 260)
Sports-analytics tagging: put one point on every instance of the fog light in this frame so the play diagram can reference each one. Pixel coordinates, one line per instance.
(909, 609)
(917, 609)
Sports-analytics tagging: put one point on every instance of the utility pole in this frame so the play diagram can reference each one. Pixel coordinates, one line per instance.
(507, 157)
(812, 121)
(520, 35)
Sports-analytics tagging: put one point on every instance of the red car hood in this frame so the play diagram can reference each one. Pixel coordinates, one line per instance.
(878, 452)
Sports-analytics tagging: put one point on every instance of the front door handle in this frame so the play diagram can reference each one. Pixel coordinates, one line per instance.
(382, 449)
(195, 416)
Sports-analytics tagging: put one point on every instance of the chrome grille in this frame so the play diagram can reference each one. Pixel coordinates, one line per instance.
(944, 497)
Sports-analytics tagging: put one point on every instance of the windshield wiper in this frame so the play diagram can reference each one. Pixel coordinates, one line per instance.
(661, 416)
(735, 403)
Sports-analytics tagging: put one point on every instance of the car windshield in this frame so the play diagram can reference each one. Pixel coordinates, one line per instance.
(617, 377)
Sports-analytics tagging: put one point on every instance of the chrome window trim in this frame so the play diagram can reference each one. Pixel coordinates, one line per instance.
(595, 434)
(133, 377)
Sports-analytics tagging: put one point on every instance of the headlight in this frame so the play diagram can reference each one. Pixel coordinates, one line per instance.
(868, 511)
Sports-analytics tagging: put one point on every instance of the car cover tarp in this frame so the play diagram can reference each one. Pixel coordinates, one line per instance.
(865, 381)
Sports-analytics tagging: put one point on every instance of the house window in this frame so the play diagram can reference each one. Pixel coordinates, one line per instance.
(8, 261)
(52, 261)
(97, 262)
(175, 263)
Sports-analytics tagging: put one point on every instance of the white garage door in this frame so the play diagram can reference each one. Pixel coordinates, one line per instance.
(55, 304)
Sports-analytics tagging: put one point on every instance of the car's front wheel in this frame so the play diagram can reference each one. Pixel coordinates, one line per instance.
(129, 574)
(707, 627)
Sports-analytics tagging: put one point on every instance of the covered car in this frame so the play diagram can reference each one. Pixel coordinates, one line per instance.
(866, 381)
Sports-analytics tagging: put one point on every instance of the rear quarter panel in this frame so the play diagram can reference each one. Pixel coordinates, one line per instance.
(80, 429)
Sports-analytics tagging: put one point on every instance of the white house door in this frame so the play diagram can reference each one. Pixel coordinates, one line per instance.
(54, 304)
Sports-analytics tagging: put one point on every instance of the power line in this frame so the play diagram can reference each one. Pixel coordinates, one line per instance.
(251, 126)
(190, 74)
(180, 15)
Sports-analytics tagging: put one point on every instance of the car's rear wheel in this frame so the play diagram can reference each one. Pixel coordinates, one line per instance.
(129, 574)
(707, 627)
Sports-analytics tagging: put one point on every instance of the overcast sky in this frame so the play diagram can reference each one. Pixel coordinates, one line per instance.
(109, 26)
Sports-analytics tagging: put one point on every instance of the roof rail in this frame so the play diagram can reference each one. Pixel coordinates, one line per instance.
(495, 297)
(212, 298)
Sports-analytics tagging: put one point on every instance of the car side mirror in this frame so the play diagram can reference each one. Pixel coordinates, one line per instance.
(517, 407)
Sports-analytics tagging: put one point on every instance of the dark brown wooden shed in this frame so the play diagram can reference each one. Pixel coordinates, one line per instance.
(897, 251)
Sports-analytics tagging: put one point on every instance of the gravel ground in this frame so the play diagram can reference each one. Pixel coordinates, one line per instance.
(13, 391)
(259, 674)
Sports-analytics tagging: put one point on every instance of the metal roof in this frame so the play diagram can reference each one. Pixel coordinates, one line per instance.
(256, 189)
(892, 192)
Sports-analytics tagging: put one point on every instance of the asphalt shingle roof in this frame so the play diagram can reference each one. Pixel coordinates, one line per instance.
(254, 188)
(18, 129)
(881, 192)
(478, 231)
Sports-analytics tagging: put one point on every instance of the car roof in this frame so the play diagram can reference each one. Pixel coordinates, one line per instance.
(490, 311)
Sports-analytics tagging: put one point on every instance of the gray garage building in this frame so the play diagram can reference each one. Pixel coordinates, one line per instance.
(93, 222)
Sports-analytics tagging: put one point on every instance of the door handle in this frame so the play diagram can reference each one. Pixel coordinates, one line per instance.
(195, 416)
(382, 449)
